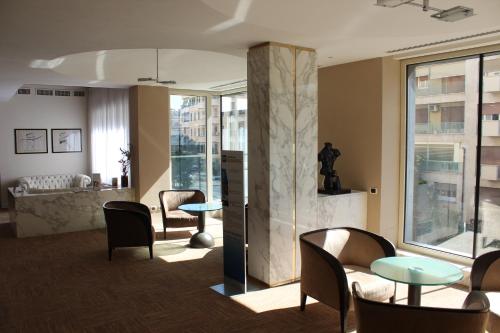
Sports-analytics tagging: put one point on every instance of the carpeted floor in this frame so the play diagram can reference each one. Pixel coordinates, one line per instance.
(64, 283)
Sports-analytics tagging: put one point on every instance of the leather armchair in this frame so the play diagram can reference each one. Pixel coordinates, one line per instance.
(128, 224)
(375, 317)
(485, 276)
(333, 258)
(172, 216)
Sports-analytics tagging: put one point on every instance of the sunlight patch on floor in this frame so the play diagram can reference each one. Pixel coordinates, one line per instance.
(269, 299)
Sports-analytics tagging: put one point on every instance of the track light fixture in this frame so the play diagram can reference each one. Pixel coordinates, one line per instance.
(448, 15)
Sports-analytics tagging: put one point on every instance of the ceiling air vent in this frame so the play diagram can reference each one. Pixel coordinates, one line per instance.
(45, 92)
(231, 85)
(24, 91)
(79, 93)
(63, 93)
(413, 47)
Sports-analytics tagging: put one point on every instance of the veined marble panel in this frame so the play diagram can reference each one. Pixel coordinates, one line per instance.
(258, 164)
(271, 164)
(343, 210)
(282, 134)
(54, 213)
(306, 138)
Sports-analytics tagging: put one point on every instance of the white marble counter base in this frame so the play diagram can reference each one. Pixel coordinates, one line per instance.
(55, 213)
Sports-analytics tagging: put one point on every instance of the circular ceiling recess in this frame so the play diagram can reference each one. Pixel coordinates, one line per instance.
(190, 69)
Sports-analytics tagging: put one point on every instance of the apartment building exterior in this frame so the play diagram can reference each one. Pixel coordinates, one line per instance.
(445, 134)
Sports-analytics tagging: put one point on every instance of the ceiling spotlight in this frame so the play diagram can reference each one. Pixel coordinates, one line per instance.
(391, 3)
(448, 15)
(454, 14)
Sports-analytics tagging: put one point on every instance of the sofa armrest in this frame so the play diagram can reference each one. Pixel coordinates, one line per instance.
(24, 184)
(82, 180)
(476, 300)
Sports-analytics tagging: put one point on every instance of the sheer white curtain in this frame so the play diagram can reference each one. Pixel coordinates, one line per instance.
(109, 130)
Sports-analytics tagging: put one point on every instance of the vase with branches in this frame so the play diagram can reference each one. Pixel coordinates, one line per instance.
(125, 165)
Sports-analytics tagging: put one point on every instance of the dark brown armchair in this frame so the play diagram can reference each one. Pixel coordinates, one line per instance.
(485, 276)
(333, 258)
(128, 224)
(378, 317)
(172, 216)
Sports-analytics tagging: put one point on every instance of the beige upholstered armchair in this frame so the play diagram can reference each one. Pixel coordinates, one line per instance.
(377, 317)
(333, 258)
(485, 276)
(128, 224)
(171, 214)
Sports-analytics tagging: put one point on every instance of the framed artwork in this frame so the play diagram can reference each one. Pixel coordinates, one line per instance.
(66, 140)
(30, 141)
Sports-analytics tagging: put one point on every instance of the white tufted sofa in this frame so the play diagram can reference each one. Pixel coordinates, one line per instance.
(33, 184)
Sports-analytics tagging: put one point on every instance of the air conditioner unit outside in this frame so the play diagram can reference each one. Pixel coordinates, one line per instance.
(433, 107)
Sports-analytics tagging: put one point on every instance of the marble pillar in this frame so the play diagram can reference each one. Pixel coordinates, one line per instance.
(282, 148)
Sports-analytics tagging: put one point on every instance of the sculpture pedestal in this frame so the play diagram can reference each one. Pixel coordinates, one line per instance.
(342, 210)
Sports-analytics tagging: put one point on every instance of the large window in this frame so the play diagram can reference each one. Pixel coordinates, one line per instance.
(188, 142)
(234, 128)
(200, 128)
(448, 206)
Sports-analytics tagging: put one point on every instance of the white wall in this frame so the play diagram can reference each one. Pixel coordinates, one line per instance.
(32, 111)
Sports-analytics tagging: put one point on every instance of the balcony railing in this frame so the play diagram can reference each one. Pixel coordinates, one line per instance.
(491, 128)
(491, 84)
(440, 128)
(490, 172)
(440, 166)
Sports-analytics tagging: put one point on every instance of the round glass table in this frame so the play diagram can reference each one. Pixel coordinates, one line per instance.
(416, 272)
(201, 239)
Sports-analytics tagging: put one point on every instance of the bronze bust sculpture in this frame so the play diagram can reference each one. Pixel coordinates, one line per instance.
(327, 157)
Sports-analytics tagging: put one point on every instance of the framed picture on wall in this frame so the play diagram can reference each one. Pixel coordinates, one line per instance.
(30, 141)
(66, 140)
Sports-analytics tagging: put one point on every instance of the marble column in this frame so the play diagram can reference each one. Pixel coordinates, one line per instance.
(282, 153)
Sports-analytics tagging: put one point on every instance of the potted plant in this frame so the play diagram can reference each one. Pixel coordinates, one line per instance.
(125, 165)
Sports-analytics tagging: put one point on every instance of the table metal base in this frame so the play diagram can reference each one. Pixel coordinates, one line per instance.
(201, 240)
(414, 293)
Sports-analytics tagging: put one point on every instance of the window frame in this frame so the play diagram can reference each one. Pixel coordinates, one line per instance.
(209, 95)
(405, 63)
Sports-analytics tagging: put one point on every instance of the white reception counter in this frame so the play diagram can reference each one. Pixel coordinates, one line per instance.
(63, 211)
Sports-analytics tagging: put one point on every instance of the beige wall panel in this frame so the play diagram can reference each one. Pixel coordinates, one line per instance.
(391, 141)
(151, 140)
(350, 116)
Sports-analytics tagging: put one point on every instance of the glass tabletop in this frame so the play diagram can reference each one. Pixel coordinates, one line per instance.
(201, 207)
(416, 270)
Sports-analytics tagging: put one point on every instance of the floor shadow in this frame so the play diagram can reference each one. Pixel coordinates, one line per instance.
(7, 230)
